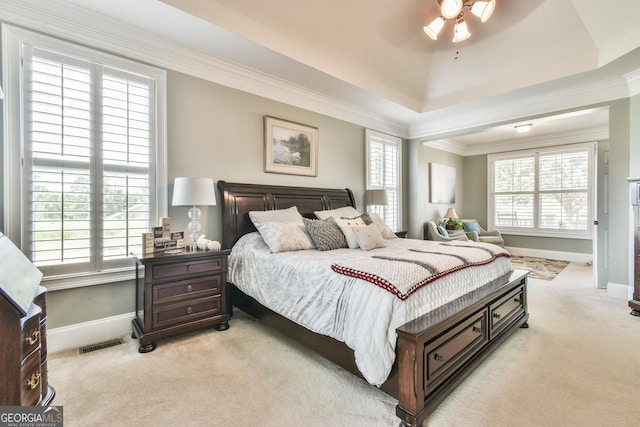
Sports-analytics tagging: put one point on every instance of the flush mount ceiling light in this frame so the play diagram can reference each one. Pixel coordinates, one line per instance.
(454, 10)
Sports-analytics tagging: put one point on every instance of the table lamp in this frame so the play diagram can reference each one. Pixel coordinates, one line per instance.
(193, 192)
(375, 197)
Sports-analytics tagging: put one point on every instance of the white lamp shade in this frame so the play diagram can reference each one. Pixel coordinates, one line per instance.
(483, 9)
(375, 197)
(451, 214)
(433, 29)
(460, 32)
(193, 192)
(450, 8)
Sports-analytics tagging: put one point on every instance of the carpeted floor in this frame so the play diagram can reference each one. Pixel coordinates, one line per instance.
(576, 365)
(540, 268)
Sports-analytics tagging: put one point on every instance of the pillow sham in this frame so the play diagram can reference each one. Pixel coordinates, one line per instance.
(345, 211)
(325, 233)
(368, 237)
(278, 215)
(386, 232)
(285, 236)
(346, 225)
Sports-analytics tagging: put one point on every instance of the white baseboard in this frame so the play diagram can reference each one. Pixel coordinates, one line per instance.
(87, 333)
(618, 291)
(543, 253)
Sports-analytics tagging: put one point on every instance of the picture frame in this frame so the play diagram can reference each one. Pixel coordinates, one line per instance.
(443, 183)
(290, 148)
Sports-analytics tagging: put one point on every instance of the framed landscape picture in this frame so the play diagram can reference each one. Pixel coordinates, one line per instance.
(290, 148)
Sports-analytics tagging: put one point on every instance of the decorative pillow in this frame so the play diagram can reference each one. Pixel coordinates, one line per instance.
(471, 226)
(346, 211)
(345, 225)
(284, 236)
(386, 232)
(443, 230)
(325, 233)
(279, 215)
(368, 237)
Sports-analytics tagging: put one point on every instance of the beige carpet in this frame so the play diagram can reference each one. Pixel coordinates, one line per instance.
(577, 365)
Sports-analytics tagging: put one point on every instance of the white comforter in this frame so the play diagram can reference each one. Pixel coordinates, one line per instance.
(301, 286)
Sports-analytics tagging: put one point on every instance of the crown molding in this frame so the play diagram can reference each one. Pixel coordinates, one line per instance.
(633, 80)
(571, 137)
(74, 23)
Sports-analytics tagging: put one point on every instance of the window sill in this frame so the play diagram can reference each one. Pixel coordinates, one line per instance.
(80, 280)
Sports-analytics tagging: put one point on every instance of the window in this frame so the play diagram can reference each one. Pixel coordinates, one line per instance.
(543, 193)
(384, 156)
(91, 138)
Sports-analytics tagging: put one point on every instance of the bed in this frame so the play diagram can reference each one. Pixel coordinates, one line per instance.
(433, 353)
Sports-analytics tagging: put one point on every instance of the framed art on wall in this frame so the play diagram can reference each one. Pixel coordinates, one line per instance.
(443, 183)
(290, 148)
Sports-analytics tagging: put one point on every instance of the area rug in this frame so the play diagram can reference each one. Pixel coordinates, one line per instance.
(540, 268)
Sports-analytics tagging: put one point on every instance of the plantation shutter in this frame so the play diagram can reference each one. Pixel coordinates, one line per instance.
(383, 172)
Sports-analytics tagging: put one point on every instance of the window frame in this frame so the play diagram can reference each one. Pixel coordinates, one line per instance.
(537, 230)
(371, 136)
(13, 40)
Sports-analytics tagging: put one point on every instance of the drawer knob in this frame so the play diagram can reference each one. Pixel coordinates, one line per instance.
(189, 310)
(438, 357)
(33, 338)
(189, 267)
(34, 380)
(517, 299)
(496, 315)
(189, 288)
(477, 329)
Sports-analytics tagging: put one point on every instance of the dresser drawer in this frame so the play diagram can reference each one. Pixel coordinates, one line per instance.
(186, 311)
(451, 350)
(30, 333)
(189, 268)
(504, 310)
(31, 380)
(187, 289)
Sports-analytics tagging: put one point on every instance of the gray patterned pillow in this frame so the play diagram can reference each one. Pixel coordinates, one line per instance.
(325, 233)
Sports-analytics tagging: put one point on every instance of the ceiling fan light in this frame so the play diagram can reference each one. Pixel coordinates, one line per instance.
(451, 8)
(483, 9)
(523, 128)
(460, 31)
(433, 29)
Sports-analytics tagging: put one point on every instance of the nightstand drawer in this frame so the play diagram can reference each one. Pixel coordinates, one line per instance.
(187, 289)
(179, 313)
(177, 269)
(31, 380)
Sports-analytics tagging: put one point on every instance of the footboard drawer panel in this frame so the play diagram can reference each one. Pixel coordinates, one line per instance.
(449, 351)
(506, 309)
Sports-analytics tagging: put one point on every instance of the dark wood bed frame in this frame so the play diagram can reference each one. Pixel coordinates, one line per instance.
(434, 353)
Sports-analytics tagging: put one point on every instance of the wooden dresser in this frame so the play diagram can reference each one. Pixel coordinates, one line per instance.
(634, 302)
(180, 293)
(23, 338)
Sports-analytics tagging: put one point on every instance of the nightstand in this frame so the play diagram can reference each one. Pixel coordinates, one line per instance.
(181, 292)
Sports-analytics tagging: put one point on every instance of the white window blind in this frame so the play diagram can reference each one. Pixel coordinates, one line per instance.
(384, 155)
(547, 192)
(90, 149)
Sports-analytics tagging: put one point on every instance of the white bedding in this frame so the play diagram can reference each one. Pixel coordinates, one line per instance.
(301, 286)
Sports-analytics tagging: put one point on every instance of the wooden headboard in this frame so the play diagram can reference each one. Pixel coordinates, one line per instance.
(239, 199)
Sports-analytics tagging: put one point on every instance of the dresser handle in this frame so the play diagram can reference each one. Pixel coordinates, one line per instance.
(33, 338)
(34, 380)
(189, 288)
(477, 329)
(517, 299)
(438, 357)
(189, 310)
(496, 316)
(189, 267)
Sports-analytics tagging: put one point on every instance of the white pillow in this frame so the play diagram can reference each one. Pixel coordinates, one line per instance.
(285, 236)
(368, 237)
(345, 211)
(279, 215)
(346, 225)
(386, 232)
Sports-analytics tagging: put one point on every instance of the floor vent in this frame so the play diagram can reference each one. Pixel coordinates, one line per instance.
(100, 346)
